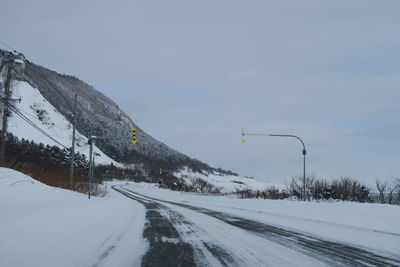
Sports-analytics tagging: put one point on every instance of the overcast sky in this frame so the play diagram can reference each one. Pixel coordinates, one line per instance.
(193, 73)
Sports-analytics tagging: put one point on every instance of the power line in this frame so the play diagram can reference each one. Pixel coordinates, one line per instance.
(36, 127)
(6, 45)
(19, 113)
(32, 116)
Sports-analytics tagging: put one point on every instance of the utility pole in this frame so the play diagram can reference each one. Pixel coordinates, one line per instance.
(6, 98)
(91, 154)
(13, 62)
(94, 163)
(91, 141)
(72, 158)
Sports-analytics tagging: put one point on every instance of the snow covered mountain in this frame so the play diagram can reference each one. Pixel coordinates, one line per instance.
(38, 110)
(50, 95)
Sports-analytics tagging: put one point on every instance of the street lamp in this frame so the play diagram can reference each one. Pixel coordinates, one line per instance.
(304, 152)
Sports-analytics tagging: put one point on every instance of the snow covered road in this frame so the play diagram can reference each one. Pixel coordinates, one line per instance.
(182, 234)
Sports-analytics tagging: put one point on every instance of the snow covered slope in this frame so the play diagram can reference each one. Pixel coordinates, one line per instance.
(101, 116)
(46, 226)
(42, 113)
(227, 183)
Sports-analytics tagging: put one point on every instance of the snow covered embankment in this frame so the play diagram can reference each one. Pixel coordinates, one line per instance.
(46, 226)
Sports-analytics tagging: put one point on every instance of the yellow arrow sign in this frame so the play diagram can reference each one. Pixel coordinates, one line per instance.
(133, 141)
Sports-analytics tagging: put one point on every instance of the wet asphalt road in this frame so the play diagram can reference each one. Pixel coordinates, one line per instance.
(167, 248)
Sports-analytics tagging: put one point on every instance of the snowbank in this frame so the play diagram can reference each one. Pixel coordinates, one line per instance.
(46, 226)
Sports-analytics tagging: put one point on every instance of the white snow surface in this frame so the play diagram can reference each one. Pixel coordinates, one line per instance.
(45, 226)
(370, 226)
(227, 183)
(53, 122)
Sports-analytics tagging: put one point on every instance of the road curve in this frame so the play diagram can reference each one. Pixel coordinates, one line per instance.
(180, 253)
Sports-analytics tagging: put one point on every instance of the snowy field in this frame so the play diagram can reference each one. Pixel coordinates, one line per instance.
(45, 226)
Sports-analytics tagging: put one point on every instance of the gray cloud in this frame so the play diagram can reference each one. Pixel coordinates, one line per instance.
(391, 131)
(192, 73)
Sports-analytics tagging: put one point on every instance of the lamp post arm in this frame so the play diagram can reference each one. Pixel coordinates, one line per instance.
(294, 136)
(279, 135)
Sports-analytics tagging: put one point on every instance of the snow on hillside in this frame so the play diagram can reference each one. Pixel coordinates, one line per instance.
(42, 113)
(46, 226)
(228, 183)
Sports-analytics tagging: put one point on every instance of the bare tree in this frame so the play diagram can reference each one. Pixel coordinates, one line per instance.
(346, 187)
(381, 186)
(317, 187)
(396, 185)
(391, 190)
(295, 186)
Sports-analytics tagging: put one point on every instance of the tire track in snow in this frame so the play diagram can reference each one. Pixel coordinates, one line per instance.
(167, 247)
(331, 253)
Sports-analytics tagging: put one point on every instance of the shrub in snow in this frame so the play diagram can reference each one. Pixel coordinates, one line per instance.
(202, 186)
(345, 188)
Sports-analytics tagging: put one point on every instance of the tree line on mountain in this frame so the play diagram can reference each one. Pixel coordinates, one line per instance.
(48, 164)
(51, 165)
